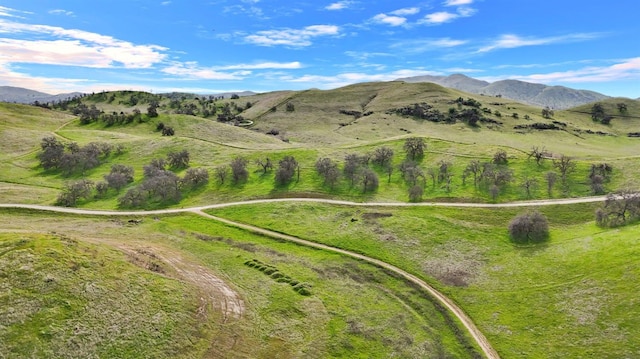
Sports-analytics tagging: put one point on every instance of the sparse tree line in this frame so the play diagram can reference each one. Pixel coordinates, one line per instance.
(160, 184)
(358, 171)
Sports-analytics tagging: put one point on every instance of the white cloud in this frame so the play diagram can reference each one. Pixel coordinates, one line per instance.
(439, 17)
(389, 20)
(340, 5)
(442, 17)
(263, 66)
(74, 48)
(406, 11)
(510, 41)
(61, 12)
(191, 70)
(627, 69)
(458, 2)
(292, 37)
(9, 12)
(365, 55)
(165, 3)
(425, 45)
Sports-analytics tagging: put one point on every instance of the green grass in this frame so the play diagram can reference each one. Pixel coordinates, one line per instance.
(66, 298)
(354, 310)
(568, 297)
(572, 293)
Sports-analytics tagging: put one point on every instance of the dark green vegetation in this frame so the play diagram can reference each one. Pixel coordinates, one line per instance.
(568, 294)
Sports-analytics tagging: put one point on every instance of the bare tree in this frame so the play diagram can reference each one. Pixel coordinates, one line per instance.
(475, 168)
(414, 147)
(195, 177)
(538, 154)
(328, 170)
(382, 156)
(566, 166)
(529, 184)
(221, 173)
(265, 164)
(444, 170)
(369, 180)
(74, 191)
(239, 171)
(500, 157)
(551, 178)
(529, 227)
(619, 208)
(287, 168)
(415, 193)
(352, 165)
(119, 176)
(178, 159)
(596, 182)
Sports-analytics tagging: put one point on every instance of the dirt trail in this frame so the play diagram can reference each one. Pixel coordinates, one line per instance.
(475, 333)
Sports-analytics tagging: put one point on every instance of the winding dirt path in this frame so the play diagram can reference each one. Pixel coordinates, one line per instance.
(234, 307)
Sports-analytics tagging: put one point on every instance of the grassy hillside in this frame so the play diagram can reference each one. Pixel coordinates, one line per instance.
(66, 298)
(355, 119)
(353, 309)
(569, 297)
(579, 282)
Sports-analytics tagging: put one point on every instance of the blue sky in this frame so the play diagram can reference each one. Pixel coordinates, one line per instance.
(211, 46)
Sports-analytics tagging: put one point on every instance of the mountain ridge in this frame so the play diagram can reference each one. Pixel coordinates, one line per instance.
(555, 97)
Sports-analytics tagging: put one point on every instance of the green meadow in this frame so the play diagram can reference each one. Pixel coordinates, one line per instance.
(145, 285)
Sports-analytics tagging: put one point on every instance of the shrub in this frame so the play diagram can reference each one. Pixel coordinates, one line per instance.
(529, 227)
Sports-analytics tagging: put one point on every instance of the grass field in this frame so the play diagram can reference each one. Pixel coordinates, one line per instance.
(354, 309)
(568, 297)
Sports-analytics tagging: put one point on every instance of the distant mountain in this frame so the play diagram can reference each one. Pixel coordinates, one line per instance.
(556, 97)
(23, 95)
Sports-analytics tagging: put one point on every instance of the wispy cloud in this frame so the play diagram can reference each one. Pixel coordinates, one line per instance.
(510, 41)
(165, 3)
(425, 45)
(626, 69)
(192, 70)
(263, 66)
(406, 11)
(441, 17)
(292, 37)
(359, 55)
(396, 17)
(458, 2)
(9, 12)
(74, 48)
(61, 12)
(340, 5)
(389, 20)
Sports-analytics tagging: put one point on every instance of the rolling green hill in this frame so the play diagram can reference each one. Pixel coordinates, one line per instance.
(519, 295)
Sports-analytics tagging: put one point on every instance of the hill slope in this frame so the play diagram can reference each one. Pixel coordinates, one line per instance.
(23, 95)
(556, 97)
